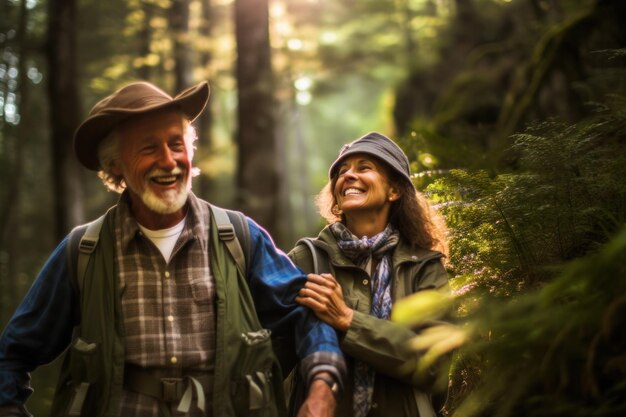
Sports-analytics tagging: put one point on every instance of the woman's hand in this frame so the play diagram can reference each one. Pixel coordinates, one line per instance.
(323, 295)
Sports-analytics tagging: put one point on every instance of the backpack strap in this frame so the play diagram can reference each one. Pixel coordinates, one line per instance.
(242, 232)
(321, 263)
(233, 230)
(83, 241)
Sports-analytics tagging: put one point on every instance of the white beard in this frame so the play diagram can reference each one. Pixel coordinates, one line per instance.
(170, 202)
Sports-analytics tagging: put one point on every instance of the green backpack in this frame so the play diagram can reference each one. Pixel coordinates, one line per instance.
(232, 229)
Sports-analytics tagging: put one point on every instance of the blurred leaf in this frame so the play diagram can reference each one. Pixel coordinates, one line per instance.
(420, 307)
(435, 342)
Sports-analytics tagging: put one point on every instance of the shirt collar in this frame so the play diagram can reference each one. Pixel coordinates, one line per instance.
(196, 225)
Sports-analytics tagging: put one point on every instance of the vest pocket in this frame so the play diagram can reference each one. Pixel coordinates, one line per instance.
(83, 373)
(252, 387)
(82, 366)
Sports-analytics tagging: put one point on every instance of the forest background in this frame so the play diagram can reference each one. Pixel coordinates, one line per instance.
(511, 112)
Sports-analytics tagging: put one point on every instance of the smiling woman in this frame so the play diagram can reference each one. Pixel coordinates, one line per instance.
(416, 220)
(381, 243)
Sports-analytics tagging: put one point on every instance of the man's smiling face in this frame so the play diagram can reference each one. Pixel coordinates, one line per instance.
(155, 163)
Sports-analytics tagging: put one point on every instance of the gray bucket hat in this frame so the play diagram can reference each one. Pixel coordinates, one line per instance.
(379, 146)
(133, 99)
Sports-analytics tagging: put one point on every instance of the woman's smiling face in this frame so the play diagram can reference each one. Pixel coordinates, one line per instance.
(363, 185)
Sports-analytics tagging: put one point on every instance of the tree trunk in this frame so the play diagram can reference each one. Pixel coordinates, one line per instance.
(410, 46)
(257, 178)
(14, 142)
(145, 38)
(179, 25)
(64, 114)
(205, 122)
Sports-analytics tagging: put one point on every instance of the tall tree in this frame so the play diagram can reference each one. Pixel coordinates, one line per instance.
(205, 122)
(144, 71)
(64, 114)
(12, 159)
(257, 179)
(179, 25)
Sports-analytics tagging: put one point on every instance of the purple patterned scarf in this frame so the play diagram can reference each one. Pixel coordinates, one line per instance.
(362, 252)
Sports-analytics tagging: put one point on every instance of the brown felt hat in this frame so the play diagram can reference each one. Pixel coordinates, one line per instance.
(133, 99)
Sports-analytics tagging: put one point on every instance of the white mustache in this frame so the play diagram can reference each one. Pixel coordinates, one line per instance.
(157, 172)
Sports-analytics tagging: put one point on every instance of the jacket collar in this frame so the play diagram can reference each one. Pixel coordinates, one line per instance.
(402, 253)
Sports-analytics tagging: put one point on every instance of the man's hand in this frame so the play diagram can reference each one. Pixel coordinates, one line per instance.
(320, 402)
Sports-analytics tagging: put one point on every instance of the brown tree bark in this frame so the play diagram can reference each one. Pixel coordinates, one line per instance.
(205, 122)
(179, 26)
(257, 179)
(13, 149)
(144, 71)
(64, 114)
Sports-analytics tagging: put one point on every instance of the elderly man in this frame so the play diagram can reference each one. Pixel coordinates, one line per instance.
(162, 323)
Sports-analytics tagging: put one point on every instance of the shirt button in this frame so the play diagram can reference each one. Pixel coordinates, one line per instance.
(170, 318)
(365, 282)
(167, 274)
(173, 359)
(414, 257)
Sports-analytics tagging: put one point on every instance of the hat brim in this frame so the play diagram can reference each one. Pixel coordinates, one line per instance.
(332, 172)
(92, 131)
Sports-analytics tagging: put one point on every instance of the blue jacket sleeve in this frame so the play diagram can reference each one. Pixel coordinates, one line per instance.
(274, 282)
(40, 329)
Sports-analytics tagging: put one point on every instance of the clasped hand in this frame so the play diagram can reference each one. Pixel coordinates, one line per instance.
(322, 294)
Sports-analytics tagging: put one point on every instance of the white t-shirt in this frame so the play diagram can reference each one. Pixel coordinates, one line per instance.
(164, 239)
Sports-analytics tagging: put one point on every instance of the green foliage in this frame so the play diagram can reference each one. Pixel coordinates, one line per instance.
(558, 351)
(504, 65)
(537, 283)
(566, 198)
(481, 235)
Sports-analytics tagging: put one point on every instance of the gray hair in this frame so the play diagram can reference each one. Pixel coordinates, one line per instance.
(109, 153)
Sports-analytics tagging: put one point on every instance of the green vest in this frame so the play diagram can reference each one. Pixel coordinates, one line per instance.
(247, 379)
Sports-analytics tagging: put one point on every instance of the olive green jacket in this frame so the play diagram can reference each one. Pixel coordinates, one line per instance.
(398, 390)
